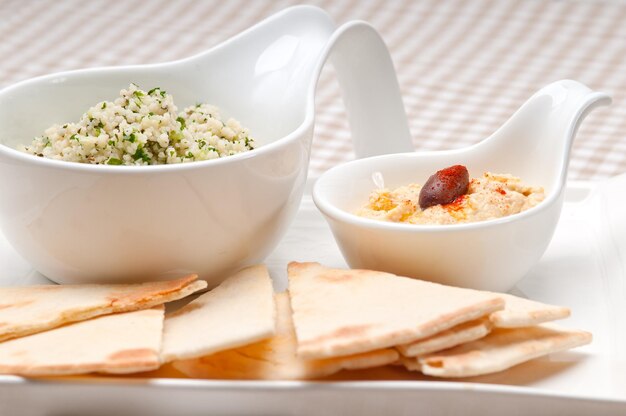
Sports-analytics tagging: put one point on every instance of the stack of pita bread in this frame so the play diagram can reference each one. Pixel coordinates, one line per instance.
(77, 329)
(333, 319)
(330, 320)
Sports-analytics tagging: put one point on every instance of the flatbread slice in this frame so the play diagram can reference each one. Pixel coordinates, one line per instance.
(410, 363)
(238, 312)
(503, 348)
(460, 334)
(119, 343)
(519, 312)
(27, 310)
(340, 312)
(276, 359)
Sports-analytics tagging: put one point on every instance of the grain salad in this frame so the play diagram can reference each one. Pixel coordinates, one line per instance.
(143, 128)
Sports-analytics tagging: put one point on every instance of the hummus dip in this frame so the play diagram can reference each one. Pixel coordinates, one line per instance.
(488, 197)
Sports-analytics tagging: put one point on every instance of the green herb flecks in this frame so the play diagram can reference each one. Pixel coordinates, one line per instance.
(138, 95)
(114, 161)
(130, 138)
(175, 136)
(153, 90)
(182, 122)
(141, 154)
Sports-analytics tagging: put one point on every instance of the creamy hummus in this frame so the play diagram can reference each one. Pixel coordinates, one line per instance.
(489, 197)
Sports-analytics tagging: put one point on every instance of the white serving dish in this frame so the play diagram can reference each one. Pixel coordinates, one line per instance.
(81, 223)
(534, 145)
(583, 268)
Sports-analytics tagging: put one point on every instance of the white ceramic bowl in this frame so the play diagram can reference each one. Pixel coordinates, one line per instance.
(492, 255)
(78, 223)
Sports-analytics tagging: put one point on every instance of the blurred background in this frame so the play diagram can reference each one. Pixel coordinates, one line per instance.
(464, 66)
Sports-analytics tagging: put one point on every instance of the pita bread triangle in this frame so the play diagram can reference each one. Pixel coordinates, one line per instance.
(239, 311)
(460, 334)
(340, 312)
(119, 343)
(27, 310)
(276, 359)
(519, 312)
(503, 348)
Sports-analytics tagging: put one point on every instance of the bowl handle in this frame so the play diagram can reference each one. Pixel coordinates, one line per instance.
(370, 90)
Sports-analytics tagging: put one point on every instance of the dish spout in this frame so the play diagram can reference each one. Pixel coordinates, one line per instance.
(370, 90)
(571, 103)
(535, 142)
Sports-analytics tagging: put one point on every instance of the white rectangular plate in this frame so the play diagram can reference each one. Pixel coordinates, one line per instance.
(583, 269)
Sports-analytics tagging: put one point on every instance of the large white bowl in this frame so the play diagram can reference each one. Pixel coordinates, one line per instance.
(78, 223)
(492, 255)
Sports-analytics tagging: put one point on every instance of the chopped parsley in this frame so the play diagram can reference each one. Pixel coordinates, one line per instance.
(182, 122)
(114, 161)
(155, 89)
(131, 138)
(103, 106)
(175, 136)
(138, 94)
(140, 154)
(74, 137)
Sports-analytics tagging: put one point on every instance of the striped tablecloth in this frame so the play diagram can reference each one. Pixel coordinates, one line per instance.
(464, 66)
